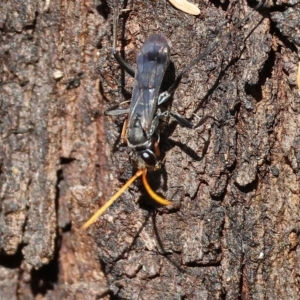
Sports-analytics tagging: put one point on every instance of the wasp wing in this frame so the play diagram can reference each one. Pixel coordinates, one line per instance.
(152, 62)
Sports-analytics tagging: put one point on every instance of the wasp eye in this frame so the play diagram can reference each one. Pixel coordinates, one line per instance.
(148, 157)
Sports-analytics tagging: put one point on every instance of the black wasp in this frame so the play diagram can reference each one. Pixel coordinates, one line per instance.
(140, 130)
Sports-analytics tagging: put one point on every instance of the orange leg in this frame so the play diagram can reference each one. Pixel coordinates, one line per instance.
(156, 149)
(124, 131)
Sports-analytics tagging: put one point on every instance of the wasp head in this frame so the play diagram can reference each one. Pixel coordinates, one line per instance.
(145, 159)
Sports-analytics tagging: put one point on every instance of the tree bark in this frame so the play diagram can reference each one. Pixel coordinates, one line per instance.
(233, 231)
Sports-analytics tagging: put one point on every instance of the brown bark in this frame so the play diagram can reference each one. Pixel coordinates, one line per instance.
(233, 230)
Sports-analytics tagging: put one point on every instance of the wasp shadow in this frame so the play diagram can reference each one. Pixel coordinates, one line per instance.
(223, 72)
(109, 269)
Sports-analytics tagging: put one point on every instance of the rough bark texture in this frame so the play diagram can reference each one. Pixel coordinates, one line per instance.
(233, 231)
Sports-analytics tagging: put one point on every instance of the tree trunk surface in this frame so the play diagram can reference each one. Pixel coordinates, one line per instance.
(233, 230)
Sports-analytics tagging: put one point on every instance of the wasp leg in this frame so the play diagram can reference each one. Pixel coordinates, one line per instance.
(156, 148)
(163, 97)
(124, 131)
(183, 122)
(122, 62)
(117, 112)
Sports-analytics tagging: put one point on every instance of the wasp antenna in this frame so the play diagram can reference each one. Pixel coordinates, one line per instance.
(102, 210)
(152, 194)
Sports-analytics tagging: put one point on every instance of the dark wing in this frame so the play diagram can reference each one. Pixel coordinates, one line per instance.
(152, 62)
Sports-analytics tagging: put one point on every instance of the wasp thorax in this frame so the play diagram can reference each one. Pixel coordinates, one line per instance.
(136, 136)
